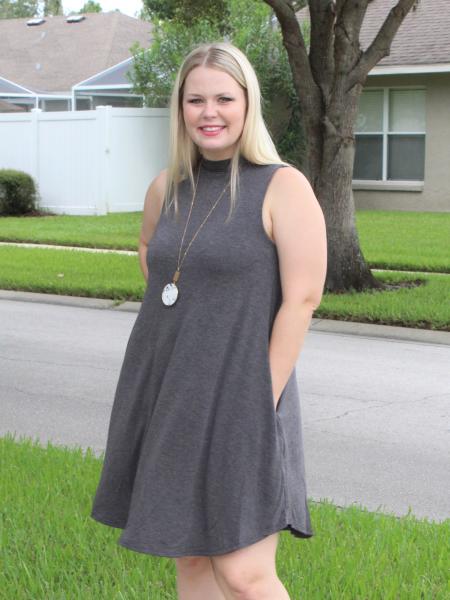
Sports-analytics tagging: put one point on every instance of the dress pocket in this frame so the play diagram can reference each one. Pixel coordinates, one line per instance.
(280, 433)
(276, 409)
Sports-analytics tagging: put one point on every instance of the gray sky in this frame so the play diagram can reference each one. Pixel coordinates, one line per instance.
(128, 7)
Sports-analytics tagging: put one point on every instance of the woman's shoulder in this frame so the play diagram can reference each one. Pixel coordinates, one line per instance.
(282, 172)
(287, 174)
(156, 190)
(160, 180)
(288, 181)
(267, 165)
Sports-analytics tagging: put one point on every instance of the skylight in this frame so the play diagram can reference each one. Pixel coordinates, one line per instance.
(75, 18)
(36, 21)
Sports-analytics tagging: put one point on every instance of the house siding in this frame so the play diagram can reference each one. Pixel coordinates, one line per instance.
(435, 195)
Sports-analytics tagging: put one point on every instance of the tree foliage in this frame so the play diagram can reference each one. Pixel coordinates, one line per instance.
(90, 7)
(18, 9)
(53, 7)
(189, 11)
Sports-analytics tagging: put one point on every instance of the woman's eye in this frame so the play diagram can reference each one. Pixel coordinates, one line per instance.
(222, 100)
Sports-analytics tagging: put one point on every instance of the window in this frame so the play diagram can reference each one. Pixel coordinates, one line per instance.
(390, 135)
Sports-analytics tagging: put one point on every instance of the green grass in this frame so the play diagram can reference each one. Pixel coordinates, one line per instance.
(409, 241)
(119, 277)
(53, 550)
(417, 241)
(426, 306)
(96, 275)
(116, 230)
(389, 239)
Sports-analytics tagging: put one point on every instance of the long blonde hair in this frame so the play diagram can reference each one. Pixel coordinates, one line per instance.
(254, 144)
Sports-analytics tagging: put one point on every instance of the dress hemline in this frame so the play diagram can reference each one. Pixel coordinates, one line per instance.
(130, 545)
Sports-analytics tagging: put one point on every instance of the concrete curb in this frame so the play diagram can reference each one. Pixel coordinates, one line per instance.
(321, 325)
(76, 248)
(409, 334)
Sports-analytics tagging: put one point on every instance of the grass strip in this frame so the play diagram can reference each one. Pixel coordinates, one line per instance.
(401, 240)
(51, 548)
(404, 240)
(115, 230)
(89, 274)
(118, 277)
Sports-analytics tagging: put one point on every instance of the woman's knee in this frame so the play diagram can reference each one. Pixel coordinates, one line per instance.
(239, 582)
(190, 564)
(247, 569)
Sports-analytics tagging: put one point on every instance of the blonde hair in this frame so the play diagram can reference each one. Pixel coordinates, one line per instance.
(254, 144)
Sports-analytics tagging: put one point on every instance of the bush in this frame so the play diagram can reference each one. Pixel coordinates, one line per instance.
(17, 193)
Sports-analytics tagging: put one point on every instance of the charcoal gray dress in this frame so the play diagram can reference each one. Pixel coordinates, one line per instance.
(197, 460)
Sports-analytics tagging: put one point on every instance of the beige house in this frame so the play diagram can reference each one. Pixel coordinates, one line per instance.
(402, 133)
(402, 159)
(69, 63)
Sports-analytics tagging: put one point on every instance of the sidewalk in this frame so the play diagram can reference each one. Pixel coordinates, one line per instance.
(78, 248)
(325, 325)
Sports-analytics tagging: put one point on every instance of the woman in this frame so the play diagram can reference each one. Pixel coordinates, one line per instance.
(204, 457)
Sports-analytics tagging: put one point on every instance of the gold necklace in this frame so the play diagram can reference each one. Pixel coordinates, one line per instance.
(170, 291)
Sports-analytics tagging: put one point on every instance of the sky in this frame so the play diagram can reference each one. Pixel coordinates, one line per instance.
(128, 7)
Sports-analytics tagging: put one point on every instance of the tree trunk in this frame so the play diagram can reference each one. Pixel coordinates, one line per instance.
(332, 183)
(328, 81)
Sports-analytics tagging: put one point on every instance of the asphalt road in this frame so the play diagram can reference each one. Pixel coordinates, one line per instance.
(375, 409)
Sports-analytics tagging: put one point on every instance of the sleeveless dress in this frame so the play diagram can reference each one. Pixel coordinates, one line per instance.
(197, 459)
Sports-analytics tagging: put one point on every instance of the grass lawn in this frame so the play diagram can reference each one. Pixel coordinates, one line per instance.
(116, 230)
(53, 550)
(119, 277)
(97, 275)
(389, 239)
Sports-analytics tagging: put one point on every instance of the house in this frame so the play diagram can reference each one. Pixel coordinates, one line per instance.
(402, 133)
(60, 63)
(402, 158)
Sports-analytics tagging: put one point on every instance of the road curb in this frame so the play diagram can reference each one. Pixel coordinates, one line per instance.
(317, 325)
(76, 248)
(408, 334)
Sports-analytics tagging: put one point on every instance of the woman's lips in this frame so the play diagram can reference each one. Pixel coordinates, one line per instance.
(212, 130)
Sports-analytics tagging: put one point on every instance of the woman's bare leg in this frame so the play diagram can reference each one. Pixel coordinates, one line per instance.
(250, 573)
(196, 580)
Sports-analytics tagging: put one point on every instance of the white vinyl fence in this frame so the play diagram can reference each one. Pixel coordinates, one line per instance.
(88, 162)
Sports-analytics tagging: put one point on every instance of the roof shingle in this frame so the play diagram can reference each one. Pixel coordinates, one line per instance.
(56, 55)
(422, 38)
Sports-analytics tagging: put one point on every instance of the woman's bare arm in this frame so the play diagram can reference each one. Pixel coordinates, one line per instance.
(299, 232)
(152, 210)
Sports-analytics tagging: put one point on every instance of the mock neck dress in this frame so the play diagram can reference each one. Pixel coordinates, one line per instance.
(198, 461)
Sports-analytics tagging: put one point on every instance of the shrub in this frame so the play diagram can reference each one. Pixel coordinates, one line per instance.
(17, 192)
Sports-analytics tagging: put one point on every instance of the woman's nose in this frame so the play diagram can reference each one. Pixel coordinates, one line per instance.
(209, 109)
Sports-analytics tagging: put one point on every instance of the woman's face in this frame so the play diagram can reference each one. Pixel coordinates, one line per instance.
(214, 107)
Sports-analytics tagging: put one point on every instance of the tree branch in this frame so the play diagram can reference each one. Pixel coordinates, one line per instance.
(294, 43)
(350, 16)
(321, 55)
(381, 45)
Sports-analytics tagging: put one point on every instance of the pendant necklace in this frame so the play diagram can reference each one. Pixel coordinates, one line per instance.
(170, 291)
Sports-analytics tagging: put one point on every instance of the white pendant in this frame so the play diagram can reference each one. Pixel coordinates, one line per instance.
(170, 294)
